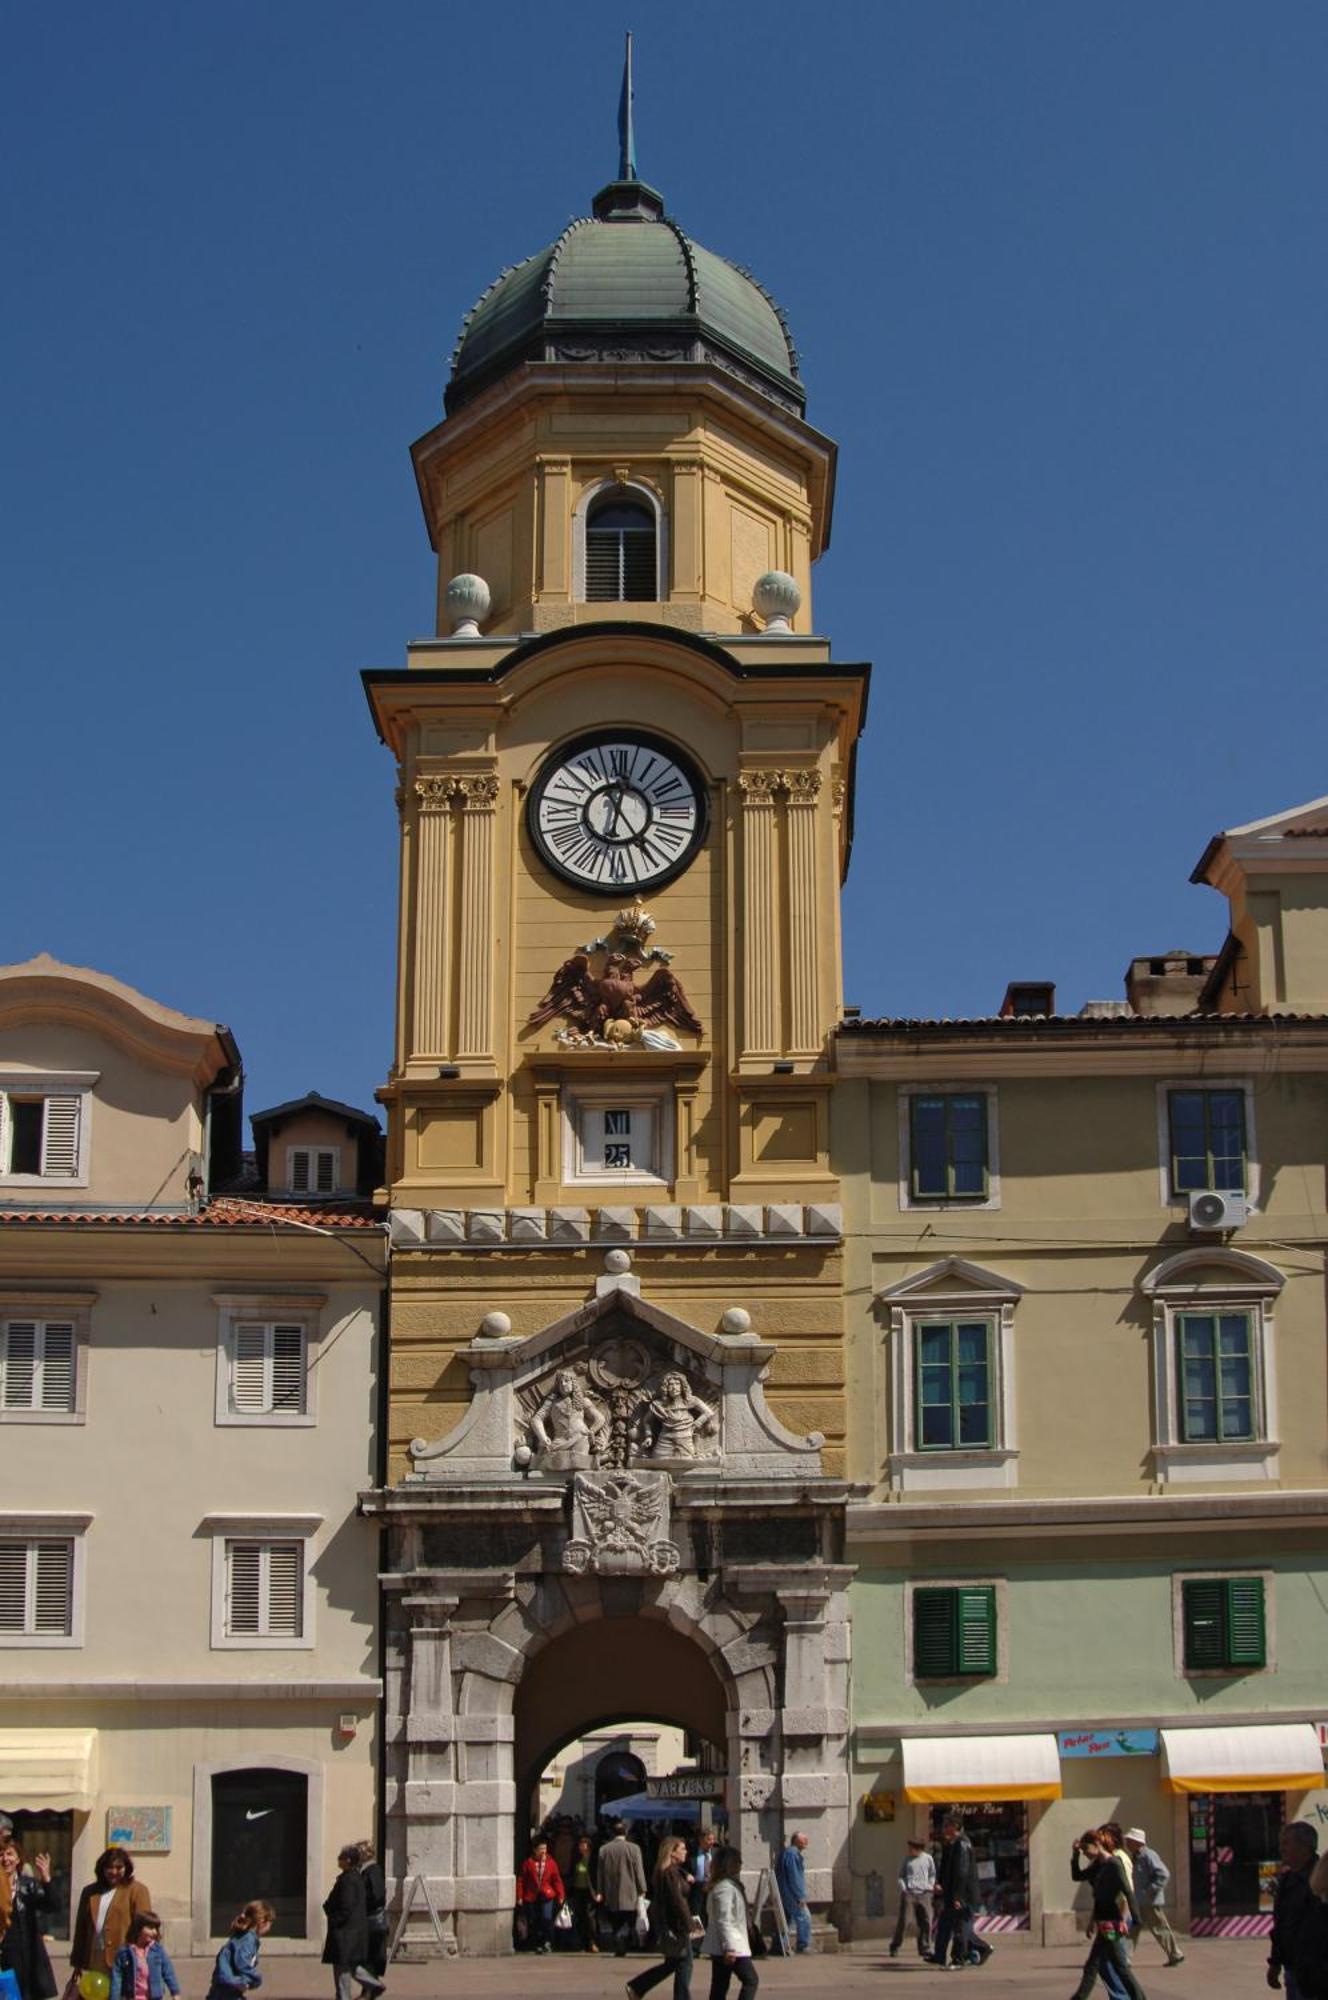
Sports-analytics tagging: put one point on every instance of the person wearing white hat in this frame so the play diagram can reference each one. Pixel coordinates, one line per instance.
(1151, 1876)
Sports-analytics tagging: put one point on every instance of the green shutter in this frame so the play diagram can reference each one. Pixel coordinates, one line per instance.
(1204, 1605)
(977, 1630)
(1246, 1643)
(934, 1648)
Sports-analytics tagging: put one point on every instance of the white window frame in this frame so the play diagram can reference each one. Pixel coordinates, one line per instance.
(650, 498)
(952, 1289)
(630, 1095)
(1249, 1285)
(1000, 1585)
(1164, 1090)
(939, 1204)
(52, 1527)
(303, 1309)
(313, 1191)
(58, 1309)
(47, 1084)
(1180, 1578)
(227, 1528)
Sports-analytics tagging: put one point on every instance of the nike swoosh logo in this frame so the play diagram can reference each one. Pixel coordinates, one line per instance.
(258, 1815)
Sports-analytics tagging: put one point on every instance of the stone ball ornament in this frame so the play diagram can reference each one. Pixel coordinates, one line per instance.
(466, 601)
(616, 1262)
(496, 1325)
(778, 599)
(737, 1320)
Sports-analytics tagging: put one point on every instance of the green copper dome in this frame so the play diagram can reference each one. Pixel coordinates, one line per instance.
(627, 286)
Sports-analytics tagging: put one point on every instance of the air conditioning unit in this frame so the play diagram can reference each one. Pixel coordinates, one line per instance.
(1211, 1210)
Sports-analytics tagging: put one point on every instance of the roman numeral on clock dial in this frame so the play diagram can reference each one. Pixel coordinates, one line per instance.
(618, 811)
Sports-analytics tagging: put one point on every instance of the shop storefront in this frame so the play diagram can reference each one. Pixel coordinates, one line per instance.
(46, 1789)
(990, 1783)
(1238, 1787)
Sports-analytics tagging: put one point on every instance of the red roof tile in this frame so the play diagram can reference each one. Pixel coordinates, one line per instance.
(225, 1212)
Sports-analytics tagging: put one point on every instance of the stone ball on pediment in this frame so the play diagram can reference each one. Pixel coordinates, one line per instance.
(496, 1325)
(737, 1320)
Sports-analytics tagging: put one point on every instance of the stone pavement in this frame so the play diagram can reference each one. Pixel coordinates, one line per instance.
(1215, 1969)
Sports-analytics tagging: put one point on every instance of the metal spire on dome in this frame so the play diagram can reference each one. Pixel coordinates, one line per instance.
(626, 135)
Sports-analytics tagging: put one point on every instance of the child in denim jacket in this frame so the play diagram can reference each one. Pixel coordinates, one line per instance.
(236, 1970)
(142, 1969)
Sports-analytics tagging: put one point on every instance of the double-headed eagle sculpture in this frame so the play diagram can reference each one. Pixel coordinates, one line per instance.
(608, 1006)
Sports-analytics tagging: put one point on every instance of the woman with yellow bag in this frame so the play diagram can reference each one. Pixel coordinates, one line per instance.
(105, 1909)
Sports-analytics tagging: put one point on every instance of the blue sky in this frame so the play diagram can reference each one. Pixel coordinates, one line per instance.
(1057, 277)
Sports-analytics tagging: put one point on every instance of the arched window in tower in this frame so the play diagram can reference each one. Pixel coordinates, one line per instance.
(622, 549)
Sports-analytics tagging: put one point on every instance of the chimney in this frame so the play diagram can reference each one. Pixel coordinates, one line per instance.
(1168, 984)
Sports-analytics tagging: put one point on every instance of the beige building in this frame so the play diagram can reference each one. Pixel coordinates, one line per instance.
(1088, 1383)
(188, 1387)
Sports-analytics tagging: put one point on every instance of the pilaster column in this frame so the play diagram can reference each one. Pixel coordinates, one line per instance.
(760, 926)
(477, 797)
(553, 577)
(428, 1011)
(803, 787)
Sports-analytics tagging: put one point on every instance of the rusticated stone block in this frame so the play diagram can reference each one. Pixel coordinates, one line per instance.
(743, 1221)
(784, 1218)
(569, 1225)
(665, 1223)
(528, 1225)
(481, 1653)
(705, 1221)
(446, 1225)
(825, 1218)
(615, 1225)
(405, 1227)
(487, 1225)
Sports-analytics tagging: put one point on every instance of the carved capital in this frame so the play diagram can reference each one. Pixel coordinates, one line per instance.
(800, 787)
(838, 791)
(803, 786)
(758, 788)
(476, 793)
(434, 794)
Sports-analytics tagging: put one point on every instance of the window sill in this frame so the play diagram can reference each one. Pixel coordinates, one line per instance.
(937, 1471)
(43, 1417)
(1179, 1464)
(50, 1641)
(268, 1420)
(950, 1204)
(248, 1643)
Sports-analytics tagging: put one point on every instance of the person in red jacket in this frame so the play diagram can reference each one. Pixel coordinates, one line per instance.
(539, 1891)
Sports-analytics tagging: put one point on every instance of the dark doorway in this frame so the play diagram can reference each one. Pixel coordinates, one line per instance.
(616, 1776)
(260, 1847)
(49, 1833)
(1234, 1839)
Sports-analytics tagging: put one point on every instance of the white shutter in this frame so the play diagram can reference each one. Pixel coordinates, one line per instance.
(288, 1368)
(18, 1364)
(243, 1588)
(327, 1172)
(13, 1586)
(249, 1373)
(60, 1137)
(298, 1176)
(285, 1590)
(56, 1391)
(53, 1594)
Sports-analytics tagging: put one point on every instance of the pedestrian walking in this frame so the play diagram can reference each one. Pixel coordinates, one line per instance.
(23, 1945)
(673, 1923)
(702, 1862)
(105, 1910)
(582, 1893)
(620, 1878)
(539, 1891)
(727, 1942)
(917, 1883)
(375, 1902)
(791, 1881)
(347, 1913)
(1310, 1967)
(142, 1968)
(1291, 1903)
(1151, 1876)
(957, 1899)
(235, 1972)
(1092, 1860)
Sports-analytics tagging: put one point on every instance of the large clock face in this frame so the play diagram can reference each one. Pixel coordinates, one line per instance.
(617, 810)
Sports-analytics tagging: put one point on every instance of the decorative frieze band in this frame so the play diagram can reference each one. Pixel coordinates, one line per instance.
(722, 1222)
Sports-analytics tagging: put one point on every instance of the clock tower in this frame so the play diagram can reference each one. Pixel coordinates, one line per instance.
(616, 1406)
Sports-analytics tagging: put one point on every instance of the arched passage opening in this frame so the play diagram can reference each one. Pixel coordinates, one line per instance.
(604, 1672)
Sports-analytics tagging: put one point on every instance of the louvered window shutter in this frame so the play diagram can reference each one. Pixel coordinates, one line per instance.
(243, 1588)
(57, 1366)
(18, 1364)
(327, 1172)
(638, 566)
(60, 1137)
(934, 1636)
(603, 566)
(1246, 1635)
(249, 1371)
(288, 1368)
(977, 1630)
(1203, 1605)
(299, 1170)
(53, 1592)
(285, 1590)
(13, 1586)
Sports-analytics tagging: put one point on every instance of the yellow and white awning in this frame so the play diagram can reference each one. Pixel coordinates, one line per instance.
(47, 1770)
(1261, 1757)
(945, 1770)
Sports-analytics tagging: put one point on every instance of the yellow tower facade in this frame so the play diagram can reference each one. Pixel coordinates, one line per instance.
(625, 795)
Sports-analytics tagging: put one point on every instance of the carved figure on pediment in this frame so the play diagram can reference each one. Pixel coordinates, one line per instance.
(678, 1424)
(568, 1429)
